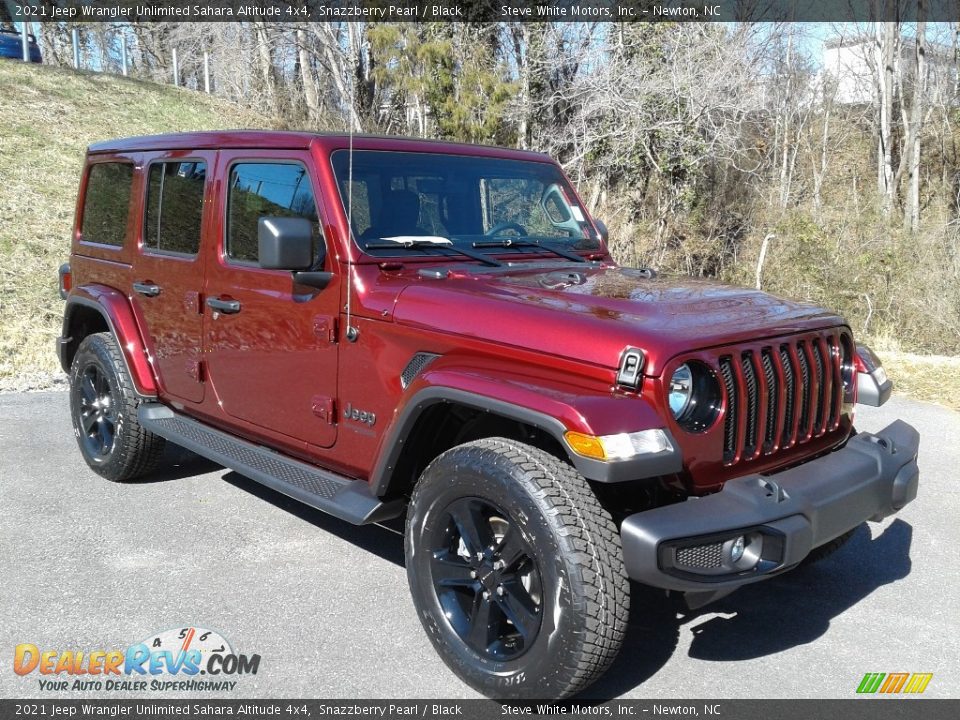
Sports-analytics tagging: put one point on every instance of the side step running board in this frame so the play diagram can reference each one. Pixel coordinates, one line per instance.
(347, 499)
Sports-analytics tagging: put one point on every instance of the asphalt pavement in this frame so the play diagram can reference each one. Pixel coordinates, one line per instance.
(88, 564)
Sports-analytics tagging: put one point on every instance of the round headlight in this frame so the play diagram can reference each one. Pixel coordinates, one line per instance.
(681, 390)
(694, 396)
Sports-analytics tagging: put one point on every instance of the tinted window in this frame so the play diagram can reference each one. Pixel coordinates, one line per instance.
(106, 203)
(175, 207)
(266, 189)
(463, 199)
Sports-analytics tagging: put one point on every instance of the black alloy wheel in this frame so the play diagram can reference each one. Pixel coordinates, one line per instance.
(486, 579)
(103, 406)
(97, 413)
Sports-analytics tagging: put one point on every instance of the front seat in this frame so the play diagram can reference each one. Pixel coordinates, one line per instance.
(398, 216)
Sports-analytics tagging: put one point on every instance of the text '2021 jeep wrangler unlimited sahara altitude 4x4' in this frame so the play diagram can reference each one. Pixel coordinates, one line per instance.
(376, 326)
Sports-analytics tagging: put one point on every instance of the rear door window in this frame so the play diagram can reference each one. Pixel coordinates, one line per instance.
(106, 203)
(174, 207)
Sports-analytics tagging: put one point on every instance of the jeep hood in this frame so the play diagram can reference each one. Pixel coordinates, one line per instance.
(592, 313)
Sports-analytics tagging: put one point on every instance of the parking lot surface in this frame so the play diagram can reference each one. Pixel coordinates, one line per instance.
(89, 564)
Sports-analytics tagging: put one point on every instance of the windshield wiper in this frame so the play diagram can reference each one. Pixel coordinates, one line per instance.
(427, 244)
(520, 242)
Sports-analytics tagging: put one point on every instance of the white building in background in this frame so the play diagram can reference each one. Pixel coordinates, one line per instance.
(851, 63)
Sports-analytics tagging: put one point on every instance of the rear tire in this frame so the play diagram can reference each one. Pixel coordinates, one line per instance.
(516, 570)
(103, 406)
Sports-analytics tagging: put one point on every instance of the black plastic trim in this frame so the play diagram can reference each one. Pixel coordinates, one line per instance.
(61, 272)
(606, 472)
(871, 477)
(342, 497)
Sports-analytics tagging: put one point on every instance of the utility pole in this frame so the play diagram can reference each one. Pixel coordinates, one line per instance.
(123, 54)
(206, 72)
(75, 37)
(25, 42)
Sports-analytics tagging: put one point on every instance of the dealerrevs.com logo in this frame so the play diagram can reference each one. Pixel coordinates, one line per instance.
(191, 659)
(894, 683)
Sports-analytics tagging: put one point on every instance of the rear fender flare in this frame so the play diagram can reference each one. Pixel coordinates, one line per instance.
(115, 309)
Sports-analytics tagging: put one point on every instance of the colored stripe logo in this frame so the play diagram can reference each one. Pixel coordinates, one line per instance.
(894, 683)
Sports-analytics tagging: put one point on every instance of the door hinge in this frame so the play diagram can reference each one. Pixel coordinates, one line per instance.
(323, 407)
(195, 370)
(325, 328)
(191, 301)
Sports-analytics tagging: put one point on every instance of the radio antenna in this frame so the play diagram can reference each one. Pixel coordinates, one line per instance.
(351, 332)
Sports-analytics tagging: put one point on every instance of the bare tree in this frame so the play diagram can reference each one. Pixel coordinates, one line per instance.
(913, 124)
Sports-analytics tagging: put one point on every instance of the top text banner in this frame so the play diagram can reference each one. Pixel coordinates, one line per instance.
(483, 10)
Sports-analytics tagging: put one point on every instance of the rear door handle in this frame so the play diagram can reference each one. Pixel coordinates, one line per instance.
(148, 289)
(227, 307)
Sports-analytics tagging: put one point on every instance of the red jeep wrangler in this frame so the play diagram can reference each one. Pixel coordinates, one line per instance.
(376, 326)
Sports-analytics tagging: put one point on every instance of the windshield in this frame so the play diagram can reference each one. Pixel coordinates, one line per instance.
(422, 199)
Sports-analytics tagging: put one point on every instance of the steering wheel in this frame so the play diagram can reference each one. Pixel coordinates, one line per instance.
(506, 225)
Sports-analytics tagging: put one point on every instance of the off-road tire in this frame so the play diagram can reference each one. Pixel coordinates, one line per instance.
(828, 549)
(134, 451)
(570, 538)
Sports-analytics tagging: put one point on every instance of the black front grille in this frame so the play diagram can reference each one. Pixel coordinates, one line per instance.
(781, 395)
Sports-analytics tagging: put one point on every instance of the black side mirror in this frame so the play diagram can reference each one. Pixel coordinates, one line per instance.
(285, 243)
(602, 228)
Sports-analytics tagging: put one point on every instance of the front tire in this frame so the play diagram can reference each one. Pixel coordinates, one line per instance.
(516, 570)
(103, 406)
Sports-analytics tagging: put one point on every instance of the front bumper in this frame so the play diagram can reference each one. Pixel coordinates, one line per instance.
(689, 546)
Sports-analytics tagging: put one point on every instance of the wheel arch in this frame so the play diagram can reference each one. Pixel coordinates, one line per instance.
(97, 308)
(438, 418)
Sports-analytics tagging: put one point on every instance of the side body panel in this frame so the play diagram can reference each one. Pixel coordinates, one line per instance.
(272, 364)
(171, 319)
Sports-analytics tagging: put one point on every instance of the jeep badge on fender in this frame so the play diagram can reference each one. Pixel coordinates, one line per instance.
(553, 425)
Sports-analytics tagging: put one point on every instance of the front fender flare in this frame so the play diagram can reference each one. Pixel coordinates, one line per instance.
(552, 410)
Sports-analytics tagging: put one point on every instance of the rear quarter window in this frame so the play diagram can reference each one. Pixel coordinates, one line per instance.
(106, 203)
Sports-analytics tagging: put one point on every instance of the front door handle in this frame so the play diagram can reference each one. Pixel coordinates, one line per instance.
(227, 307)
(145, 288)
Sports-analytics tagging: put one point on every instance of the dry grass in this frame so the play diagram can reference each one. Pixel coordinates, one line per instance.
(933, 378)
(48, 116)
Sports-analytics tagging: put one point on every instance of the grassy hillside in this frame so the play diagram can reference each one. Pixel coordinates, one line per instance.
(48, 116)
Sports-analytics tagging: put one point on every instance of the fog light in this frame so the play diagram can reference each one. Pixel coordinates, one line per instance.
(736, 550)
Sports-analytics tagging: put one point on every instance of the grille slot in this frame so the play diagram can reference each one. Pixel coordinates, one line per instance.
(730, 419)
(770, 431)
(790, 396)
(804, 390)
(821, 386)
(776, 397)
(836, 396)
(753, 403)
